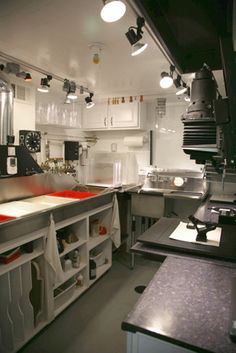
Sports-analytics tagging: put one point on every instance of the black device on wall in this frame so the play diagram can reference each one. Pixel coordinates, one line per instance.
(71, 150)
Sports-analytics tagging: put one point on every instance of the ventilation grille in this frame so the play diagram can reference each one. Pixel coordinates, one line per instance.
(20, 92)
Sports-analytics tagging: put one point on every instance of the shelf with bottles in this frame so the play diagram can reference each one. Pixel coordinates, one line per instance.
(100, 260)
(70, 291)
(23, 239)
(71, 237)
(21, 254)
(73, 262)
(99, 227)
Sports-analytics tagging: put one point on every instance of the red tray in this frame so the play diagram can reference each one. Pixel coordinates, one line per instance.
(72, 194)
(6, 218)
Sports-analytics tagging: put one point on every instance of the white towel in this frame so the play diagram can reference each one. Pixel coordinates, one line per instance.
(52, 255)
(115, 223)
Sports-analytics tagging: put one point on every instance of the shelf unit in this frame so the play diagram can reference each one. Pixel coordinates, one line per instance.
(29, 300)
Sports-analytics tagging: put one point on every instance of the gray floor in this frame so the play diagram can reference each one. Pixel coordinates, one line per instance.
(93, 323)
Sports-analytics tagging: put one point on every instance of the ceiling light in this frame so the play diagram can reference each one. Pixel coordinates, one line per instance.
(25, 75)
(187, 97)
(166, 81)
(70, 88)
(67, 101)
(96, 49)
(138, 48)
(112, 10)
(181, 91)
(44, 84)
(89, 102)
(135, 36)
(28, 77)
(177, 81)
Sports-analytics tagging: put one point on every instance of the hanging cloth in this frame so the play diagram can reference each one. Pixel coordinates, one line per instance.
(51, 255)
(115, 223)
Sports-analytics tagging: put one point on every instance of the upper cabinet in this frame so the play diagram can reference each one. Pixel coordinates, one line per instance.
(115, 116)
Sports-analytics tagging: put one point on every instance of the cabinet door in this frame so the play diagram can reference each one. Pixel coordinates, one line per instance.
(124, 115)
(96, 117)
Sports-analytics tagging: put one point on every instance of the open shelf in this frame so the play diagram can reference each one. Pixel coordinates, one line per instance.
(77, 293)
(100, 271)
(93, 242)
(23, 275)
(8, 245)
(72, 246)
(20, 261)
(71, 273)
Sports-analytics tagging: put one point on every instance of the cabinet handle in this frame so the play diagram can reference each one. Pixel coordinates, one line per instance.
(111, 121)
(105, 121)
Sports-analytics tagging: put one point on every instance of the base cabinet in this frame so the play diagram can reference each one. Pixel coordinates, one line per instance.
(140, 343)
(29, 300)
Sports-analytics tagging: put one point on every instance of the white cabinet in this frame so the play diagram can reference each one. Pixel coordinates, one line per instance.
(29, 299)
(115, 116)
(96, 118)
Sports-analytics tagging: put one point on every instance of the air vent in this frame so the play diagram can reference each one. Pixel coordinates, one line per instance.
(20, 92)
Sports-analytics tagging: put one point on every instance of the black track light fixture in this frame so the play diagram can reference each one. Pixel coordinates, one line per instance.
(28, 77)
(167, 79)
(70, 88)
(88, 101)
(44, 84)
(134, 35)
(177, 81)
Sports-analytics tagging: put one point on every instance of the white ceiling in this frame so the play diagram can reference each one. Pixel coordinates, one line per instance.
(56, 35)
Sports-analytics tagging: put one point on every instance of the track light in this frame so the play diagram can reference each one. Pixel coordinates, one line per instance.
(177, 81)
(67, 101)
(72, 91)
(181, 91)
(135, 36)
(15, 69)
(70, 88)
(112, 10)
(28, 77)
(89, 102)
(187, 96)
(44, 84)
(25, 75)
(167, 79)
(138, 48)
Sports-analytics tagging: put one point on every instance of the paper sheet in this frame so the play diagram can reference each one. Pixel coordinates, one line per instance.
(182, 233)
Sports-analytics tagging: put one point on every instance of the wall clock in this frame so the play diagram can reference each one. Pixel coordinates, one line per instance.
(31, 140)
